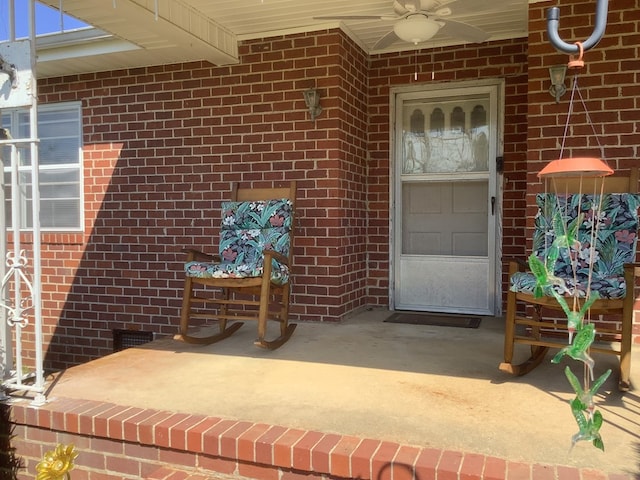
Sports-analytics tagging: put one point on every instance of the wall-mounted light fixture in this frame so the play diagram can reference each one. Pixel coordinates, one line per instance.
(557, 74)
(312, 101)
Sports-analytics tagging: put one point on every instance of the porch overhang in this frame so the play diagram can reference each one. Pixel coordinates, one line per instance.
(174, 32)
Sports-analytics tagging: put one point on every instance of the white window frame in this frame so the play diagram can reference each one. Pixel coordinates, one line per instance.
(48, 108)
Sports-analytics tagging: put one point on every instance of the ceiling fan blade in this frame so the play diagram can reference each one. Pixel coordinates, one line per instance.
(464, 31)
(463, 7)
(406, 6)
(389, 39)
(355, 17)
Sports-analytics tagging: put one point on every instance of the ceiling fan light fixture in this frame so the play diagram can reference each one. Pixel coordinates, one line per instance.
(416, 28)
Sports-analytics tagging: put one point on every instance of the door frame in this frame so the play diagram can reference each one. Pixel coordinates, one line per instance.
(447, 88)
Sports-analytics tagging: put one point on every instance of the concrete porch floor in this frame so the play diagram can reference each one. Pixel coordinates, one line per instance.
(416, 385)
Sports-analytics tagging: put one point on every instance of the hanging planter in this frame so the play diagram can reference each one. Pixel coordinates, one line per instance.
(575, 236)
(575, 227)
(576, 167)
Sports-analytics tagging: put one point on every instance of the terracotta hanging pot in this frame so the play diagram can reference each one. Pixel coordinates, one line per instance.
(576, 167)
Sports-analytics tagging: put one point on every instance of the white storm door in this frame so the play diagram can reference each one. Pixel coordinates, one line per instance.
(445, 200)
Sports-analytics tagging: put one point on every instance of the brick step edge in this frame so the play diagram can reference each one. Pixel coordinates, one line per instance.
(170, 473)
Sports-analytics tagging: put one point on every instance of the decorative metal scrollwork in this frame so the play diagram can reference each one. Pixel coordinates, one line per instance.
(17, 312)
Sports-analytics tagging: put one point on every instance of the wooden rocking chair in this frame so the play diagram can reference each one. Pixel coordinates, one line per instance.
(250, 277)
(613, 278)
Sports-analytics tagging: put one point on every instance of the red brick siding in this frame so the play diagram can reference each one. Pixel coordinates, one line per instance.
(162, 146)
(608, 84)
(120, 442)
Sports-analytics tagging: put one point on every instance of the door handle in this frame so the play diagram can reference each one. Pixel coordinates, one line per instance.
(493, 205)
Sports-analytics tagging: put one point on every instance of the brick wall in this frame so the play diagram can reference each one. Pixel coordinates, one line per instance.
(120, 442)
(608, 83)
(163, 144)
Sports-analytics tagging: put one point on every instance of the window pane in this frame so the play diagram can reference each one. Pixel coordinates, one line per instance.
(49, 120)
(59, 213)
(59, 184)
(453, 140)
(59, 149)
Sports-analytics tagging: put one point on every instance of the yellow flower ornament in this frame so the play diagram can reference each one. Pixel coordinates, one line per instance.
(56, 464)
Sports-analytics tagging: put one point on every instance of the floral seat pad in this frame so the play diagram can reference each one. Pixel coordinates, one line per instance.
(279, 272)
(247, 229)
(614, 217)
(607, 287)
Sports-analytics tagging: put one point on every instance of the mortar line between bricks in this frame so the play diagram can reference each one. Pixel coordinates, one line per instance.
(437, 465)
(459, 471)
(289, 449)
(463, 462)
(221, 436)
(351, 457)
(311, 446)
(372, 458)
(180, 432)
(484, 465)
(275, 441)
(329, 454)
(199, 434)
(131, 412)
(413, 465)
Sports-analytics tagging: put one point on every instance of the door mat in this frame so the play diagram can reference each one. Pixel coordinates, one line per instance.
(439, 320)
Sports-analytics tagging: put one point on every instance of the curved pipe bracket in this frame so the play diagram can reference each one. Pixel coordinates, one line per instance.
(553, 19)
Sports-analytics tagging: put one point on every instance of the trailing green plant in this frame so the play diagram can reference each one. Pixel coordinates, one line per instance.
(10, 462)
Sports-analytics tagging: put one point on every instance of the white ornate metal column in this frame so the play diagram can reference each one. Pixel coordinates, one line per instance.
(20, 276)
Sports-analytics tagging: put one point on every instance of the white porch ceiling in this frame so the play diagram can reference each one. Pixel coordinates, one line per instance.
(132, 33)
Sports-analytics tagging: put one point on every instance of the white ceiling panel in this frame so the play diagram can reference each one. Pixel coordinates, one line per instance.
(147, 32)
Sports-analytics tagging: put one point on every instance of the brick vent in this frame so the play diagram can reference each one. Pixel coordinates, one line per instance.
(124, 442)
(129, 338)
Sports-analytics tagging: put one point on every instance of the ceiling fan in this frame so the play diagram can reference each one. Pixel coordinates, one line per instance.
(419, 20)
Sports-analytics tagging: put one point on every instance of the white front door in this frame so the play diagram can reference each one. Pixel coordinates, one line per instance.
(445, 199)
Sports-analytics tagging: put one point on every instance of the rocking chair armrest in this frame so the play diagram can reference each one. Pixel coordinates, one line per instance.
(193, 254)
(277, 255)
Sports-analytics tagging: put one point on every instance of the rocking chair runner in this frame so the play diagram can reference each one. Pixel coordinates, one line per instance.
(613, 278)
(251, 275)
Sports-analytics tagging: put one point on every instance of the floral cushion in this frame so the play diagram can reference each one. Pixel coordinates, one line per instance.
(617, 226)
(247, 229)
